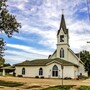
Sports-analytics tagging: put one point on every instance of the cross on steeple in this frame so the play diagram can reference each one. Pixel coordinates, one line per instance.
(62, 11)
(63, 24)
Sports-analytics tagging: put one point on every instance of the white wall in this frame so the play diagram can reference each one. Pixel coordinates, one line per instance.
(47, 71)
(72, 58)
(53, 55)
(29, 71)
(66, 39)
(65, 51)
(82, 69)
(70, 71)
(63, 45)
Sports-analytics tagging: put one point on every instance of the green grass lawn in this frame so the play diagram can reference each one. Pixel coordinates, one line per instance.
(65, 87)
(84, 88)
(10, 84)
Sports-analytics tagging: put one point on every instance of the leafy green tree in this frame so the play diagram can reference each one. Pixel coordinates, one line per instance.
(2, 44)
(2, 60)
(85, 57)
(6, 64)
(8, 22)
(8, 25)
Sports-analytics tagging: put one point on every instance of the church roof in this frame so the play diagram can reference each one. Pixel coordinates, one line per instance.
(77, 54)
(63, 25)
(44, 62)
(8, 68)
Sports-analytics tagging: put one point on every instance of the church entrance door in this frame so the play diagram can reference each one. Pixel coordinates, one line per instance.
(55, 71)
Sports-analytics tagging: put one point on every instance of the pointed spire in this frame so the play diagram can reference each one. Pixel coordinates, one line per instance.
(63, 25)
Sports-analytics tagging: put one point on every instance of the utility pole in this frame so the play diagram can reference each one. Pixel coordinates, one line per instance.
(62, 67)
(88, 5)
(88, 41)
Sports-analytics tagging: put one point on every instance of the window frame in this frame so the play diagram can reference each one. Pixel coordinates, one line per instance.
(61, 53)
(23, 71)
(40, 71)
(55, 71)
(61, 38)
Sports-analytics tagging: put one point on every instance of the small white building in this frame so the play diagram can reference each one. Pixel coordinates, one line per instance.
(62, 59)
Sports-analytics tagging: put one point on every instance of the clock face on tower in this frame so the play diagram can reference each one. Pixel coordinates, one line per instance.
(61, 38)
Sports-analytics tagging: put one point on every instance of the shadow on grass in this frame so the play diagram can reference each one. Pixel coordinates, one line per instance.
(10, 84)
(31, 87)
(65, 87)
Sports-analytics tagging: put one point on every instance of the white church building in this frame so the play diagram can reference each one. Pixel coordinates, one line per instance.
(63, 60)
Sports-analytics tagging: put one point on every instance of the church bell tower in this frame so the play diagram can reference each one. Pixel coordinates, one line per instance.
(62, 40)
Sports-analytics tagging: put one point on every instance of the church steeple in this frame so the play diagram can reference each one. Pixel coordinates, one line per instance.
(62, 39)
(63, 25)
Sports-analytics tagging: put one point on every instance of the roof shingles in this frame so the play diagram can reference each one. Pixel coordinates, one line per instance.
(44, 62)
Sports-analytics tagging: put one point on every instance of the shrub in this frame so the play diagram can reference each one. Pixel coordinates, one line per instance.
(67, 78)
(19, 76)
(82, 77)
(42, 77)
(36, 76)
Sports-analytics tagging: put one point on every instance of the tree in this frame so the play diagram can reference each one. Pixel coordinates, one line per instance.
(6, 65)
(2, 44)
(8, 22)
(2, 60)
(85, 57)
(8, 25)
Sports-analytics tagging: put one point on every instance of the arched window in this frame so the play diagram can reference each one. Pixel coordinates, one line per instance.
(61, 53)
(23, 71)
(55, 71)
(40, 71)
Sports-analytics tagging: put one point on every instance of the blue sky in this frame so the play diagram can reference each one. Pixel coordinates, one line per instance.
(40, 20)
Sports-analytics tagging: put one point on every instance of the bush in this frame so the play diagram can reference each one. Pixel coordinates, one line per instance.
(19, 76)
(67, 78)
(42, 77)
(82, 77)
(36, 76)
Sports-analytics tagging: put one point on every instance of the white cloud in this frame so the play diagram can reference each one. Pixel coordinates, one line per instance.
(79, 35)
(20, 56)
(48, 14)
(85, 9)
(22, 38)
(14, 58)
(20, 4)
(29, 49)
(24, 53)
